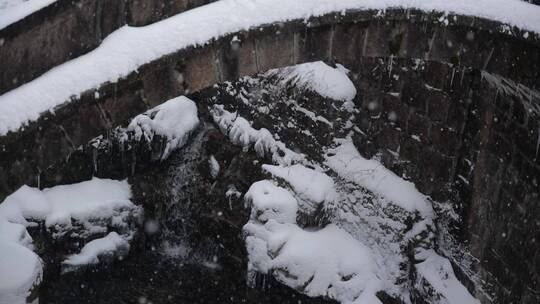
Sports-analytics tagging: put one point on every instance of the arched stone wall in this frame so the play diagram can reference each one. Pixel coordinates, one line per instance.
(67, 29)
(456, 111)
(470, 140)
(348, 39)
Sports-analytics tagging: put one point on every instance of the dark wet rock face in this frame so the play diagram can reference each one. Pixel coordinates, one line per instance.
(430, 123)
(190, 247)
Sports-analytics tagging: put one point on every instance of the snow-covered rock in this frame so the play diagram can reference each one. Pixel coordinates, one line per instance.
(372, 175)
(319, 77)
(174, 120)
(20, 270)
(111, 244)
(438, 273)
(97, 205)
(318, 262)
(240, 132)
(308, 183)
(269, 201)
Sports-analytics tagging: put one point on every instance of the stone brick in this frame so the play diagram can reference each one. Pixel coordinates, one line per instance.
(349, 43)
(524, 141)
(376, 43)
(388, 138)
(244, 52)
(414, 95)
(395, 111)
(444, 140)
(444, 46)
(159, 85)
(143, 12)
(500, 146)
(416, 40)
(315, 43)
(438, 104)
(457, 114)
(519, 114)
(80, 131)
(120, 106)
(112, 15)
(418, 125)
(200, 70)
(274, 50)
(438, 75)
(410, 149)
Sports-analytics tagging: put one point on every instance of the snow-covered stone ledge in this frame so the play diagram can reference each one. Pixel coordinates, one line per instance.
(129, 48)
(87, 210)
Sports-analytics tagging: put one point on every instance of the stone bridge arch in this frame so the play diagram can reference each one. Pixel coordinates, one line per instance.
(350, 38)
(476, 73)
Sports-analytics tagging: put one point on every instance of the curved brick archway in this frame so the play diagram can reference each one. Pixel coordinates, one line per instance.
(467, 96)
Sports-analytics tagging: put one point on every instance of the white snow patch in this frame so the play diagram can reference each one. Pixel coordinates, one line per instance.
(308, 183)
(326, 262)
(439, 273)
(89, 200)
(128, 48)
(93, 199)
(308, 113)
(12, 11)
(214, 167)
(319, 77)
(174, 119)
(90, 253)
(269, 201)
(241, 133)
(20, 270)
(372, 175)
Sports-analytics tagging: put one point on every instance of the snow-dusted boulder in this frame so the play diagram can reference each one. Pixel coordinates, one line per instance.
(269, 201)
(309, 184)
(319, 77)
(173, 120)
(318, 262)
(79, 210)
(20, 271)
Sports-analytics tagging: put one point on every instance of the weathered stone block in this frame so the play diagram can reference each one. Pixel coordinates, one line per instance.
(38, 47)
(395, 111)
(410, 149)
(200, 70)
(78, 130)
(275, 50)
(247, 60)
(160, 85)
(348, 43)
(143, 12)
(388, 138)
(111, 15)
(377, 40)
(418, 125)
(414, 95)
(438, 104)
(416, 40)
(444, 140)
(316, 43)
(119, 107)
(457, 115)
